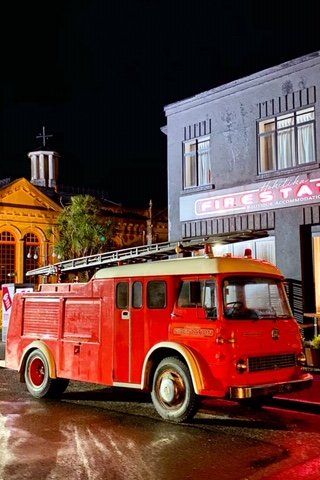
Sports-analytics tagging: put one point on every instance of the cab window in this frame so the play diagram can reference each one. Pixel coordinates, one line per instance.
(122, 295)
(199, 293)
(157, 294)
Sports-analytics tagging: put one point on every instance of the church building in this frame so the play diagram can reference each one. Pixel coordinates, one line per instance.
(29, 210)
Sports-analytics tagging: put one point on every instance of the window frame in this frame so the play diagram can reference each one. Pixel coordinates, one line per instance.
(8, 256)
(137, 294)
(273, 134)
(197, 155)
(122, 295)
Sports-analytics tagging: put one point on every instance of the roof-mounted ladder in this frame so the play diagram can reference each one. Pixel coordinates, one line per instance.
(156, 251)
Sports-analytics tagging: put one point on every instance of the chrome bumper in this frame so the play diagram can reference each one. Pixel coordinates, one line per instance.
(271, 389)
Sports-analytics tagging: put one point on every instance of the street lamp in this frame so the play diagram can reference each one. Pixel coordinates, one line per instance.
(35, 254)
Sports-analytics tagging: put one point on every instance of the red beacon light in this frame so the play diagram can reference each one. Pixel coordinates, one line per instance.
(208, 250)
(247, 253)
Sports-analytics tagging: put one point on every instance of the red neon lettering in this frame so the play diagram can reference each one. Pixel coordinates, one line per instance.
(205, 205)
(285, 192)
(247, 199)
(304, 190)
(265, 196)
(229, 202)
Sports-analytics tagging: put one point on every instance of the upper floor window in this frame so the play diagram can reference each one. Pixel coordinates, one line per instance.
(197, 168)
(287, 141)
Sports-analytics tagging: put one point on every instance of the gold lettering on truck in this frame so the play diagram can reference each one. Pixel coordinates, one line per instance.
(193, 332)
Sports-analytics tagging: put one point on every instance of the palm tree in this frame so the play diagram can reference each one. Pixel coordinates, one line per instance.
(81, 229)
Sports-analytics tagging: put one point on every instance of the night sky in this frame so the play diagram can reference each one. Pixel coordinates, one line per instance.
(98, 74)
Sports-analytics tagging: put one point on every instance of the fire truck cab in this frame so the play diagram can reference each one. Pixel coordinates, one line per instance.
(181, 328)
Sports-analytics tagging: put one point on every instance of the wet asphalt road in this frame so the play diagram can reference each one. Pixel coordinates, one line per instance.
(96, 433)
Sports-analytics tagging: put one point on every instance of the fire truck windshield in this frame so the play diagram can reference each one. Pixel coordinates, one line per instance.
(255, 297)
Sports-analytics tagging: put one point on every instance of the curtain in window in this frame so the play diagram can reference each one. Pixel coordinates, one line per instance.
(306, 144)
(286, 146)
(204, 163)
(267, 147)
(190, 165)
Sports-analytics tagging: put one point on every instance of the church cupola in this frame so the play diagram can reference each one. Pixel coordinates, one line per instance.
(44, 164)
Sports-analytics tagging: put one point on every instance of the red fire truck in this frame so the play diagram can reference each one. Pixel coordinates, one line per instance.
(181, 328)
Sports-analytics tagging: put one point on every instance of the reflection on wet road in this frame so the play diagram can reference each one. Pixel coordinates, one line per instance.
(86, 437)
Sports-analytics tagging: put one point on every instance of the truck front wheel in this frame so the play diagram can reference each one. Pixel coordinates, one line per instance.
(172, 392)
(37, 377)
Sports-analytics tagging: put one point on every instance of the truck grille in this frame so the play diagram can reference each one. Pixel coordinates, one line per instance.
(272, 362)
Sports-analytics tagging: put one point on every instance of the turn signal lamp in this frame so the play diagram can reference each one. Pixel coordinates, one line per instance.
(301, 358)
(241, 365)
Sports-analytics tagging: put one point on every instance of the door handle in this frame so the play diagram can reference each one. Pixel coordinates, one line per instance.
(125, 315)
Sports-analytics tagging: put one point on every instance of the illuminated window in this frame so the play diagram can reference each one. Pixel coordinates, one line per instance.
(287, 141)
(316, 263)
(7, 257)
(196, 168)
(32, 253)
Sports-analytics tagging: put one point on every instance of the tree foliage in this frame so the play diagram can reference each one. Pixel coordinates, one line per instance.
(82, 230)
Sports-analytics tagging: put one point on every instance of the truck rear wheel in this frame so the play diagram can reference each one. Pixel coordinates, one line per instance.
(37, 378)
(172, 393)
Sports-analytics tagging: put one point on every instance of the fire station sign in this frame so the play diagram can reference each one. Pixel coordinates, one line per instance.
(278, 193)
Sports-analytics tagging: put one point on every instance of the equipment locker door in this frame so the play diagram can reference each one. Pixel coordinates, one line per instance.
(128, 331)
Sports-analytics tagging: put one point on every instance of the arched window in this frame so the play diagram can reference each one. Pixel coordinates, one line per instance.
(31, 253)
(7, 257)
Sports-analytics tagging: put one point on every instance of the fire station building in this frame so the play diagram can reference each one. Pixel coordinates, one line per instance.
(243, 163)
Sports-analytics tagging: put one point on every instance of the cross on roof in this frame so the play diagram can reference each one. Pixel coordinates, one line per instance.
(44, 136)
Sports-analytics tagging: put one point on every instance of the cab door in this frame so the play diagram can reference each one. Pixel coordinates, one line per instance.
(196, 300)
